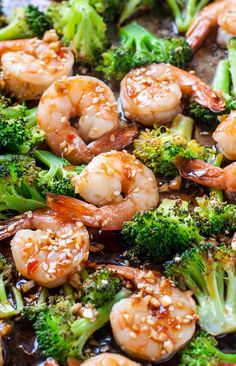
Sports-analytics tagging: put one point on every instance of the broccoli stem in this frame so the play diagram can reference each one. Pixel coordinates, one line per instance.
(182, 125)
(224, 357)
(217, 161)
(6, 309)
(52, 161)
(222, 80)
(84, 328)
(128, 10)
(232, 62)
(12, 31)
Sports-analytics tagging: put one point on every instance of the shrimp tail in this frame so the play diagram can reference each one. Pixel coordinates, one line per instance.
(202, 173)
(128, 273)
(198, 32)
(116, 140)
(10, 227)
(208, 98)
(75, 209)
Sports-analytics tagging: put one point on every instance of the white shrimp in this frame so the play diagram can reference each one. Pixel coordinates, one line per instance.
(103, 183)
(155, 322)
(30, 66)
(96, 105)
(46, 247)
(152, 94)
(225, 136)
(109, 359)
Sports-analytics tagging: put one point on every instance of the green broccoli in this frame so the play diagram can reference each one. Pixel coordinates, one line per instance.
(161, 233)
(202, 351)
(209, 271)
(224, 77)
(10, 304)
(140, 47)
(19, 132)
(80, 27)
(109, 9)
(58, 179)
(60, 334)
(159, 148)
(133, 6)
(26, 23)
(100, 287)
(185, 11)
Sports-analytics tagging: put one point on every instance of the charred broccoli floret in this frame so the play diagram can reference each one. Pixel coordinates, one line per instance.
(160, 147)
(161, 233)
(80, 27)
(26, 23)
(202, 351)
(138, 47)
(209, 271)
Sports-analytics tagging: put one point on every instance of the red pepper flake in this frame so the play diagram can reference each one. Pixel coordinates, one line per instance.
(60, 53)
(32, 265)
(70, 137)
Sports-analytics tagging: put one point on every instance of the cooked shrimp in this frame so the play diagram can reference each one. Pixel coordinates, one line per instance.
(103, 183)
(30, 66)
(155, 322)
(209, 175)
(225, 135)
(96, 105)
(46, 247)
(152, 94)
(109, 359)
(222, 13)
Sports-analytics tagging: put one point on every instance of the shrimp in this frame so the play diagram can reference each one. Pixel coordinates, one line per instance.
(209, 175)
(46, 248)
(30, 66)
(222, 13)
(96, 104)
(233, 242)
(104, 182)
(109, 359)
(152, 94)
(225, 136)
(155, 322)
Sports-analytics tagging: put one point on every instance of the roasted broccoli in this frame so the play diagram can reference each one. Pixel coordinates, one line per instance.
(209, 271)
(133, 6)
(19, 132)
(224, 77)
(202, 351)
(10, 303)
(139, 47)
(100, 287)
(161, 233)
(184, 12)
(26, 23)
(159, 148)
(80, 27)
(58, 178)
(61, 334)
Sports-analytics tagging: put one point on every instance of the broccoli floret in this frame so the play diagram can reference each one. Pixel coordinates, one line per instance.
(80, 27)
(18, 192)
(185, 11)
(60, 334)
(108, 8)
(213, 216)
(159, 148)
(202, 351)
(139, 47)
(19, 132)
(133, 6)
(58, 178)
(31, 312)
(100, 287)
(159, 234)
(10, 304)
(209, 271)
(25, 23)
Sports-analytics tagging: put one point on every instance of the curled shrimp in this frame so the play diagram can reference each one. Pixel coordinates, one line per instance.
(96, 105)
(209, 175)
(155, 322)
(152, 94)
(46, 248)
(222, 13)
(233, 242)
(30, 66)
(104, 182)
(225, 135)
(109, 359)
